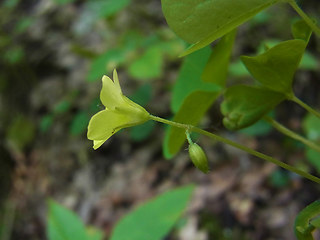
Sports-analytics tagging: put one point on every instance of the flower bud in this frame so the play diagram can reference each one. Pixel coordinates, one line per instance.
(198, 157)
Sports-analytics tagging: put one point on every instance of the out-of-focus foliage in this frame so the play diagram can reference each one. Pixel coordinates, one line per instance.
(311, 128)
(154, 219)
(63, 224)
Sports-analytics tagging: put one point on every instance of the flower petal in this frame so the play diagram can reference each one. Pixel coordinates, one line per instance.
(116, 80)
(104, 124)
(110, 94)
(97, 143)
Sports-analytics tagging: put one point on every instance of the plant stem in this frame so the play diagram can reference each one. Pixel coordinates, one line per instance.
(191, 128)
(305, 17)
(305, 106)
(291, 134)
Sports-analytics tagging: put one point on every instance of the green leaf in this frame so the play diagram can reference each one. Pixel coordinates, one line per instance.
(244, 105)
(279, 178)
(313, 157)
(106, 63)
(196, 104)
(191, 112)
(203, 21)
(154, 219)
(141, 132)
(309, 62)
(275, 68)
(303, 229)
(316, 222)
(238, 69)
(79, 123)
(189, 78)
(62, 107)
(301, 30)
(310, 126)
(63, 224)
(46, 122)
(148, 66)
(142, 95)
(216, 68)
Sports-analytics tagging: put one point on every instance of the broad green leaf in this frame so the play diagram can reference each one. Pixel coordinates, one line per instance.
(301, 30)
(217, 66)
(244, 105)
(311, 126)
(189, 78)
(302, 228)
(63, 224)
(203, 21)
(191, 112)
(275, 68)
(148, 66)
(154, 219)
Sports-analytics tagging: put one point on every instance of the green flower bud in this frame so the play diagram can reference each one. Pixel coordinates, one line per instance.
(198, 157)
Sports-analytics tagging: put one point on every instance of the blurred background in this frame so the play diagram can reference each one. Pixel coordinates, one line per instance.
(53, 54)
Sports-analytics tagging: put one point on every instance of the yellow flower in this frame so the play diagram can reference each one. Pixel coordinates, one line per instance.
(120, 112)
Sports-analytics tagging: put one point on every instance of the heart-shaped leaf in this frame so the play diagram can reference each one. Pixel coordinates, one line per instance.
(244, 105)
(275, 68)
(203, 21)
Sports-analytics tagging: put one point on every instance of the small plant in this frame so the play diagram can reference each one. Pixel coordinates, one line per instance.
(200, 23)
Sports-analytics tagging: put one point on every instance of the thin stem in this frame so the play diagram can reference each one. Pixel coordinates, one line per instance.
(305, 106)
(237, 145)
(291, 134)
(305, 17)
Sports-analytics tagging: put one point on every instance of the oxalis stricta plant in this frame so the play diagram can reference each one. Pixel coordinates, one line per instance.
(200, 22)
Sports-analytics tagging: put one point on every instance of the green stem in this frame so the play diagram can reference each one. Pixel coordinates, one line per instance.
(305, 106)
(305, 17)
(190, 128)
(291, 134)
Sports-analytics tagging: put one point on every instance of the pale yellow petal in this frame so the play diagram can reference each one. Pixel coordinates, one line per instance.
(97, 143)
(105, 123)
(110, 94)
(116, 80)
